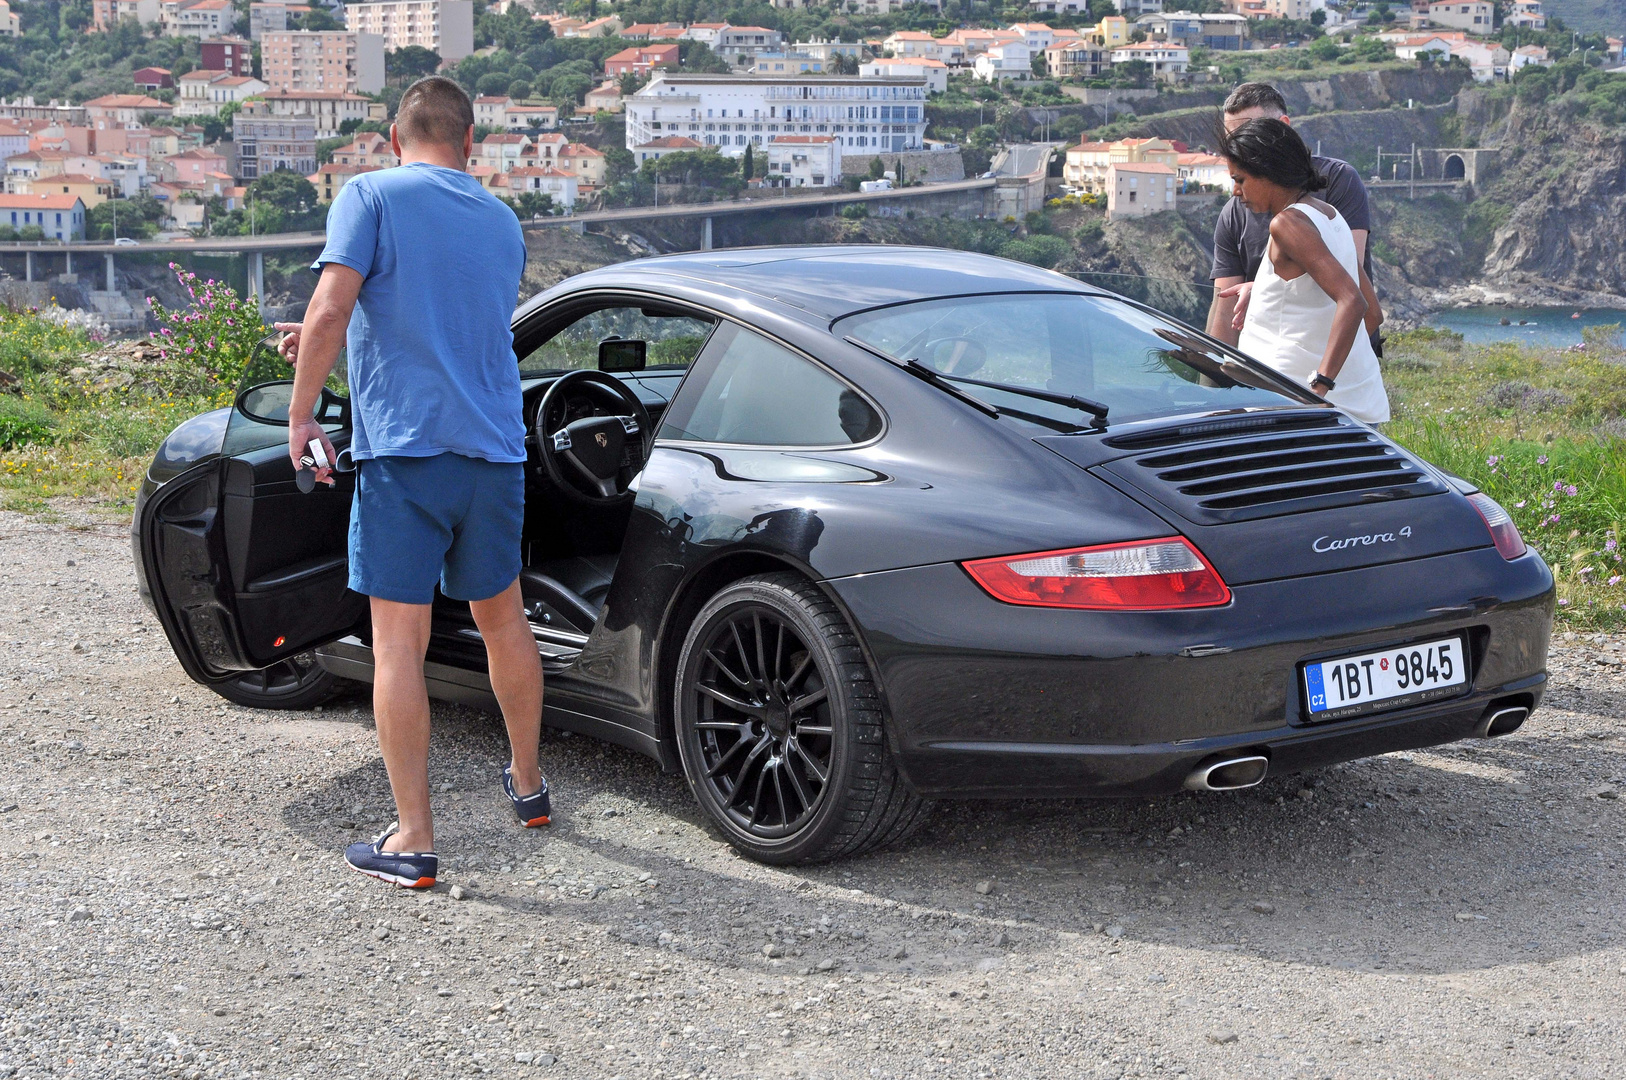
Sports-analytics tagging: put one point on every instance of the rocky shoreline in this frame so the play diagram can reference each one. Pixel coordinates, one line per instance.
(1409, 307)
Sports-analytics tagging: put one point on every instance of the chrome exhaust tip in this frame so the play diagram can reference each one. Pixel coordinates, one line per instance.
(1503, 721)
(1229, 774)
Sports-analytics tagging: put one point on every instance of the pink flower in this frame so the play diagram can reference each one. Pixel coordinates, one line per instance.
(1615, 580)
(1542, 460)
(1570, 489)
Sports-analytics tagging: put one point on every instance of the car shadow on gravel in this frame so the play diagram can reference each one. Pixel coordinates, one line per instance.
(1463, 857)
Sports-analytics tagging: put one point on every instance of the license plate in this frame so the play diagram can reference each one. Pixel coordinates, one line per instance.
(1392, 678)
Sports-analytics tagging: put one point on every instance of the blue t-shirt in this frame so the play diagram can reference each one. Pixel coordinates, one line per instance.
(431, 356)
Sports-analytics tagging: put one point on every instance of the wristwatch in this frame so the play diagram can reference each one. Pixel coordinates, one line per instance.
(1319, 379)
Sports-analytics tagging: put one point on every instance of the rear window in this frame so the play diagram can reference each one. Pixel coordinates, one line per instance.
(1137, 364)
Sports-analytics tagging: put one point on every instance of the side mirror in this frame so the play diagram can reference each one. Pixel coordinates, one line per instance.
(268, 403)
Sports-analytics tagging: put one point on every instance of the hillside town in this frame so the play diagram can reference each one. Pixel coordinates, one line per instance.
(273, 89)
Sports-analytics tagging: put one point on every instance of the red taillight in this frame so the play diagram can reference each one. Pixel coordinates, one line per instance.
(1503, 532)
(1145, 575)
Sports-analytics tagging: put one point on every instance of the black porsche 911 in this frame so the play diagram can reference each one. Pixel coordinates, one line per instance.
(835, 531)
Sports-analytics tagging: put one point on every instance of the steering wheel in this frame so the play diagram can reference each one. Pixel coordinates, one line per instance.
(592, 460)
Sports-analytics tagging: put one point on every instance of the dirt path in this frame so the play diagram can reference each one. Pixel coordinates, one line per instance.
(172, 902)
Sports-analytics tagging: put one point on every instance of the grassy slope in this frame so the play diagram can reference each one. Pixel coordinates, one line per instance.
(1541, 431)
(1608, 16)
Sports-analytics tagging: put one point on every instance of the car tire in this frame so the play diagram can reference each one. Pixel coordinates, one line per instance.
(779, 727)
(298, 682)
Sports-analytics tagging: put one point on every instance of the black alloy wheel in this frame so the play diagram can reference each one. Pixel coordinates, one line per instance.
(779, 727)
(298, 682)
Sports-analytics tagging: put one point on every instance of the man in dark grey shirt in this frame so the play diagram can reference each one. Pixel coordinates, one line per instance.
(1240, 237)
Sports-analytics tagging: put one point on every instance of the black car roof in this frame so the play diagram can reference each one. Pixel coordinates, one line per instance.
(834, 280)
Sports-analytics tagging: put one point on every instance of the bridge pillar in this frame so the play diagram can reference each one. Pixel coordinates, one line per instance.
(110, 287)
(256, 274)
(28, 266)
(68, 267)
(705, 234)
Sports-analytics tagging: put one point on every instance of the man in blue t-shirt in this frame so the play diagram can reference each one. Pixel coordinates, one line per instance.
(419, 279)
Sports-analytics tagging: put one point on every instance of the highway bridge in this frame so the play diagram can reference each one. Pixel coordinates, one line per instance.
(37, 256)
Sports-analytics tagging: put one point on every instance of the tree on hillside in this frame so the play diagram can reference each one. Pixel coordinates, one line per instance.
(514, 30)
(411, 63)
(285, 190)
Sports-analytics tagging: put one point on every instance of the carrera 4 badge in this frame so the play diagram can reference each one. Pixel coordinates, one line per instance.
(1324, 544)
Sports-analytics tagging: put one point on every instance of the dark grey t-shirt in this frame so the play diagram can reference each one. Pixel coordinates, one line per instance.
(1240, 237)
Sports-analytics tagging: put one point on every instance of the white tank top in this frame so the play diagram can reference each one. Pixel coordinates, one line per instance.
(1288, 324)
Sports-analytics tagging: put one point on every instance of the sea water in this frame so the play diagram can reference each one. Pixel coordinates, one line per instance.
(1542, 325)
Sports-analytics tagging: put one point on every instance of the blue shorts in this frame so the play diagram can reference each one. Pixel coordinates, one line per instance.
(450, 519)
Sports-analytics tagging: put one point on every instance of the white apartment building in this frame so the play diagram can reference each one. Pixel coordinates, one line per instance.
(733, 111)
(1168, 61)
(203, 92)
(265, 16)
(10, 22)
(1526, 13)
(445, 27)
(1134, 9)
(1474, 16)
(327, 110)
(803, 161)
(104, 13)
(935, 72)
(200, 19)
(1010, 60)
(323, 60)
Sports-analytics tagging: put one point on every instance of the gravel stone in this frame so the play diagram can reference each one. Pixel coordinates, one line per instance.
(229, 937)
(1263, 907)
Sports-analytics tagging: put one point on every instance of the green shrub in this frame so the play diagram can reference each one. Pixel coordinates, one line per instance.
(1045, 251)
(216, 336)
(24, 421)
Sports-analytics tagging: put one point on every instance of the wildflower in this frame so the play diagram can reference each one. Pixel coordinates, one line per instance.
(1563, 603)
(1609, 544)
(1542, 460)
(1614, 579)
(1519, 505)
(1570, 490)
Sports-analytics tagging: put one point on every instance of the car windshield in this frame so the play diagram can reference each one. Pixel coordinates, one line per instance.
(672, 340)
(1096, 348)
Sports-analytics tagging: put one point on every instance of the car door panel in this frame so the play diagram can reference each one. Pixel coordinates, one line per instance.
(246, 570)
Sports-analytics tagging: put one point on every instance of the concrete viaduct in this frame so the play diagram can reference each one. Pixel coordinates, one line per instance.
(993, 196)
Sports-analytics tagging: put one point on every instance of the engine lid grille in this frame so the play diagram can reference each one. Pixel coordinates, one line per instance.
(1265, 466)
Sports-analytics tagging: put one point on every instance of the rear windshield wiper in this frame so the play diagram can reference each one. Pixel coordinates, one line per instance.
(926, 374)
(1094, 408)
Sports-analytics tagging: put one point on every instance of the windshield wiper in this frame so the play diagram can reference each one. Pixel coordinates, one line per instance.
(1094, 408)
(926, 374)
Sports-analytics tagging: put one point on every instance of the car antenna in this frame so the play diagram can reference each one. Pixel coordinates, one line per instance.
(926, 374)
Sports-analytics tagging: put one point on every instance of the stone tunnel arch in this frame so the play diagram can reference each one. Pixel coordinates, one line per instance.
(1455, 168)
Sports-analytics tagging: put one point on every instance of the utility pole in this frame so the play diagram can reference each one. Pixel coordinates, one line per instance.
(1411, 171)
(1380, 161)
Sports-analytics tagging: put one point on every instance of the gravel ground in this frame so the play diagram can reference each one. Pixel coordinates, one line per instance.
(173, 904)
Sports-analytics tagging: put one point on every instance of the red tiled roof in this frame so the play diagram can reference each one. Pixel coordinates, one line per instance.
(39, 202)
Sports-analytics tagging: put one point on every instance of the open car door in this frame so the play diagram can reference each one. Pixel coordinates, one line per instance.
(245, 569)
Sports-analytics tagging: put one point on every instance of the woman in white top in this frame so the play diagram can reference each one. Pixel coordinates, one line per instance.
(1305, 316)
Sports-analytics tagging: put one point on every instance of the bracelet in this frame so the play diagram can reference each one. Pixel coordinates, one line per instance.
(1326, 380)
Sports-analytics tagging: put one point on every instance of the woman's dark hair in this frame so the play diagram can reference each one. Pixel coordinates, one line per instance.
(1273, 151)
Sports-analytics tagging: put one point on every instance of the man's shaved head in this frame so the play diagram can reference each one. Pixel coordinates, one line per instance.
(434, 110)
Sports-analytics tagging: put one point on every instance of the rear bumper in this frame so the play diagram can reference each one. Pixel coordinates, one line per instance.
(990, 699)
(1059, 770)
